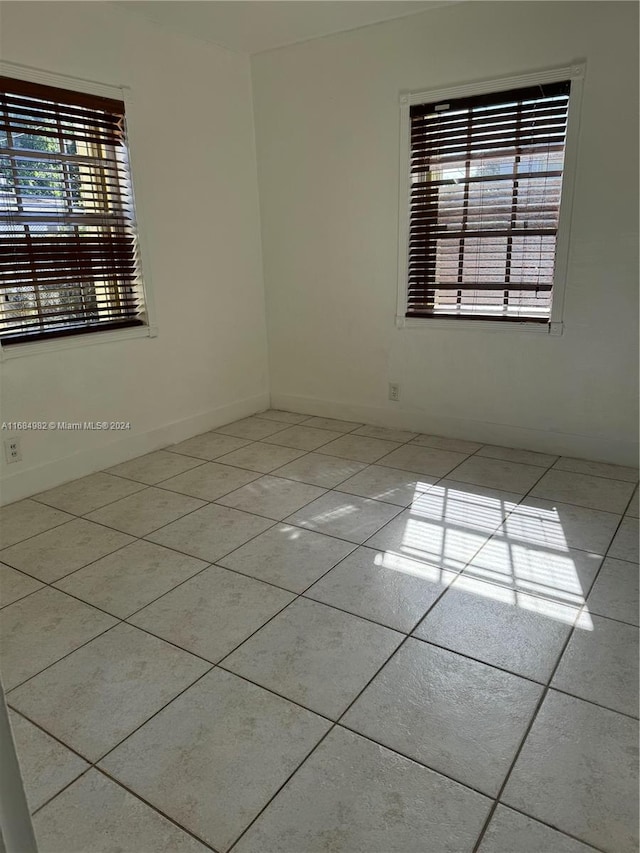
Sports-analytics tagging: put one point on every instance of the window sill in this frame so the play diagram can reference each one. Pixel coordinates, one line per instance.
(75, 341)
(479, 325)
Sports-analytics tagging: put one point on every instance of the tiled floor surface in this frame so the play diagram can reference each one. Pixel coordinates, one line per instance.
(299, 635)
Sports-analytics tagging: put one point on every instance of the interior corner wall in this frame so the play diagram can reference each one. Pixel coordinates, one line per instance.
(327, 125)
(194, 173)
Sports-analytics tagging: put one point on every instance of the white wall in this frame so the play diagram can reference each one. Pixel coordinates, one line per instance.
(194, 172)
(327, 124)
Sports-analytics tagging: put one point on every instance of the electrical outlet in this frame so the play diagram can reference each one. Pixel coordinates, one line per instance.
(394, 391)
(12, 450)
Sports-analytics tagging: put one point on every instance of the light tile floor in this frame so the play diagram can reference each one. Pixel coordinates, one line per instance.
(304, 635)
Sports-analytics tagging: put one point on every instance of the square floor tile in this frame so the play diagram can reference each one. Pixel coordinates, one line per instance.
(288, 556)
(154, 467)
(123, 582)
(14, 585)
(83, 496)
(320, 470)
(209, 481)
(273, 497)
(302, 437)
(213, 758)
(423, 460)
(457, 716)
(562, 575)
(520, 633)
(46, 765)
(497, 474)
(390, 485)
(511, 454)
(98, 695)
(251, 428)
(464, 506)
(211, 532)
(600, 664)
(394, 591)
(440, 442)
(360, 448)
(511, 831)
(213, 612)
(315, 655)
(209, 445)
(282, 417)
(27, 518)
(344, 516)
(633, 509)
(578, 772)
(399, 435)
(261, 457)
(625, 542)
(615, 592)
(145, 511)
(95, 814)
(560, 526)
(584, 490)
(597, 469)
(445, 526)
(353, 795)
(40, 629)
(332, 424)
(411, 536)
(54, 554)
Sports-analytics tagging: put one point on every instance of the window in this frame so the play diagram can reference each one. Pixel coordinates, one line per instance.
(485, 177)
(68, 243)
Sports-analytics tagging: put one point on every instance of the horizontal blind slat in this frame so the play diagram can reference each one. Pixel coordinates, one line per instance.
(68, 243)
(486, 180)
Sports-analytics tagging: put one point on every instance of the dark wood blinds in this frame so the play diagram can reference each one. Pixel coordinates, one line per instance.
(68, 245)
(485, 186)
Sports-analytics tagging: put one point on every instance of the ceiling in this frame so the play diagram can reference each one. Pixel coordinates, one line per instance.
(251, 27)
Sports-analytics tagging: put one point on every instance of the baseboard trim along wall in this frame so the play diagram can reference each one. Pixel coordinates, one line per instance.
(592, 447)
(30, 481)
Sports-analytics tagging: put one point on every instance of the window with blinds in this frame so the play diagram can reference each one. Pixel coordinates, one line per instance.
(68, 245)
(485, 187)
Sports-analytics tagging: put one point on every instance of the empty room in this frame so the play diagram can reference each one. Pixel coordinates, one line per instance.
(319, 420)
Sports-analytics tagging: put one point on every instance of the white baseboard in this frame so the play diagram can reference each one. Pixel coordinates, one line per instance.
(30, 481)
(592, 447)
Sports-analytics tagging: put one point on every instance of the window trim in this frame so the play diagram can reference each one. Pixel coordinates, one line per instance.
(555, 326)
(149, 329)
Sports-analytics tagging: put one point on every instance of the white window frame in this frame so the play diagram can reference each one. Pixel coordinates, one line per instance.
(555, 326)
(150, 329)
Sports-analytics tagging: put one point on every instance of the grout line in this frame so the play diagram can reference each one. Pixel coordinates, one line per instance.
(306, 453)
(356, 545)
(284, 784)
(64, 787)
(46, 530)
(155, 809)
(249, 540)
(302, 594)
(152, 716)
(142, 488)
(10, 690)
(199, 464)
(544, 695)
(586, 844)
(335, 723)
(39, 726)
(276, 693)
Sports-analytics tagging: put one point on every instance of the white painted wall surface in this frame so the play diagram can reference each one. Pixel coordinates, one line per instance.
(327, 124)
(194, 173)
